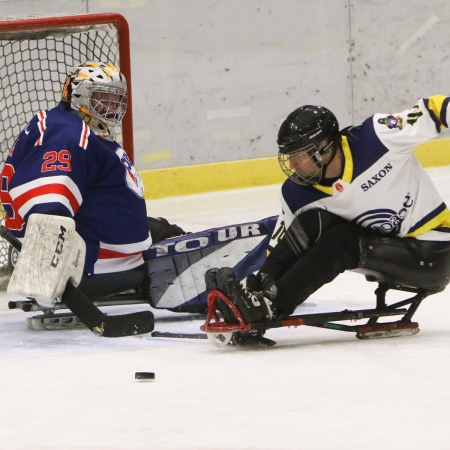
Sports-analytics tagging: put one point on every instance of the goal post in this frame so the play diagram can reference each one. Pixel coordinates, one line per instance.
(35, 54)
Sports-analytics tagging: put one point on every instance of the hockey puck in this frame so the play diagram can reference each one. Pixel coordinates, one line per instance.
(144, 376)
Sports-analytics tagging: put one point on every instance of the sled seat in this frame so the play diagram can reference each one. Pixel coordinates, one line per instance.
(411, 265)
(406, 264)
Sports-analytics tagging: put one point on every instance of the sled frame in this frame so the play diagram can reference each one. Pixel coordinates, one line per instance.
(406, 309)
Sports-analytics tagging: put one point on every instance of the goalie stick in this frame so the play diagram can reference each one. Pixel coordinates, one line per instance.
(99, 323)
(8, 236)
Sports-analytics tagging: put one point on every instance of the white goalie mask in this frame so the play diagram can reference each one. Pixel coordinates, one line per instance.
(98, 91)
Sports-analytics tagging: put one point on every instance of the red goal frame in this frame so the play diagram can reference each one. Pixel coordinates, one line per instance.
(119, 22)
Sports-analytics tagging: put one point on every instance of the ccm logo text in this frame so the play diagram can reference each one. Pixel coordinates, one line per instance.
(59, 247)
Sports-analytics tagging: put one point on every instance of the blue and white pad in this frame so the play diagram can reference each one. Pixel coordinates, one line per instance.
(177, 266)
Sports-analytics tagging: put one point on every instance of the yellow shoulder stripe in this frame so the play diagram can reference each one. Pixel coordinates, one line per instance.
(435, 104)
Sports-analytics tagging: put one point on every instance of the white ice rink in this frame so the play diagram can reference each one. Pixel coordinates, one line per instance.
(315, 390)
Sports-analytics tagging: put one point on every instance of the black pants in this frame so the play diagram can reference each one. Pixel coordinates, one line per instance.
(337, 250)
(319, 246)
(107, 284)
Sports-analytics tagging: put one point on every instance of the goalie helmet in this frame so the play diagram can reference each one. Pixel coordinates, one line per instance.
(305, 135)
(99, 91)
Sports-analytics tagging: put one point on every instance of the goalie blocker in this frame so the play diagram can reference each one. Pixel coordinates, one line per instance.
(51, 266)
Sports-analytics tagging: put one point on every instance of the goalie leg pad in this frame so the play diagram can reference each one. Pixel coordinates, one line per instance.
(52, 254)
(177, 266)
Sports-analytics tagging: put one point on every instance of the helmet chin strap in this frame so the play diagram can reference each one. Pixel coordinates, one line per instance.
(334, 150)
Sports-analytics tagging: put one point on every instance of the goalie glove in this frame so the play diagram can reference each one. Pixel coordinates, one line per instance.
(161, 229)
(260, 282)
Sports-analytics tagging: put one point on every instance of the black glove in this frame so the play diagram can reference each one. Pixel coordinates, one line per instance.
(260, 282)
(161, 229)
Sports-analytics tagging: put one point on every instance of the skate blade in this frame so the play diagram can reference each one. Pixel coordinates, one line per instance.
(57, 322)
(388, 330)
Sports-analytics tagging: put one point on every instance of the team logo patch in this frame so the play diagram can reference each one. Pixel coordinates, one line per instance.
(386, 221)
(392, 122)
(132, 178)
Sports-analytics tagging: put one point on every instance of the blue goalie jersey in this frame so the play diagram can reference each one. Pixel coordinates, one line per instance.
(59, 167)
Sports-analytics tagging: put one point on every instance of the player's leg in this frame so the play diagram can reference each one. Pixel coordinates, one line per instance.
(320, 247)
(107, 284)
(337, 250)
(304, 232)
(407, 261)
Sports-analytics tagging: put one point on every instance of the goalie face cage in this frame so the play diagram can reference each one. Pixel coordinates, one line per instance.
(35, 53)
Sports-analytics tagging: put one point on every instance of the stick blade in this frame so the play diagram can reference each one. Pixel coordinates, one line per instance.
(126, 325)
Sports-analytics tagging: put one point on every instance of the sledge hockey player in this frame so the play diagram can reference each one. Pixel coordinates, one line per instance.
(66, 163)
(354, 199)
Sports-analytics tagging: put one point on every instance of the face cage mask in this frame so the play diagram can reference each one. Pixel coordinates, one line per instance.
(307, 158)
(108, 111)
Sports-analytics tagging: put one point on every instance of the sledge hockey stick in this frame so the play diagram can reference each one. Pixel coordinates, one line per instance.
(8, 236)
(179, 335)
(99, 323)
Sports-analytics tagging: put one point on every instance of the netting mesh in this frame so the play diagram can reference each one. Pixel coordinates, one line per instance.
(33, 66)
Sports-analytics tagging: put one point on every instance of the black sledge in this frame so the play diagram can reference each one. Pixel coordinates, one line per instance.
(221, 333)
(395, 264)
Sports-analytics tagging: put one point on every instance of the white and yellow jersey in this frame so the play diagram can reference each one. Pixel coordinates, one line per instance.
(383, 187)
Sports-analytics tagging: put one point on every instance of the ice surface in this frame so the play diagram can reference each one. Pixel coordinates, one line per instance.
(316, 389)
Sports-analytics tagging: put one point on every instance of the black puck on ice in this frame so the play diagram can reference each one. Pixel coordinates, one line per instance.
(144, 376)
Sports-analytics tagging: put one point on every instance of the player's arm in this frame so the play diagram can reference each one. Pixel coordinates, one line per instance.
(303, 232)
(161, 229)
(402, 132)
(47, 177)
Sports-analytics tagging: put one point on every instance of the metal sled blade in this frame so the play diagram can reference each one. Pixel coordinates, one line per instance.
(387, 330)
(55, 322)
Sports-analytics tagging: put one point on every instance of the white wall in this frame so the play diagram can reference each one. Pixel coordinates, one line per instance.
(212, 79)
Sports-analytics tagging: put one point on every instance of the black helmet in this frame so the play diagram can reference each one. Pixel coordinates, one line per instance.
(311, 130)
